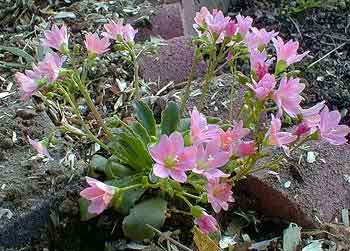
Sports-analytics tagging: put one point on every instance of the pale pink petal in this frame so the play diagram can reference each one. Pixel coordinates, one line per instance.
(97, 206)
(178, 175)
(161, 171)
(91, 193)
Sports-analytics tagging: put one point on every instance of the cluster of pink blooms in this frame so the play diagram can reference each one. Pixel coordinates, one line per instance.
(211, 149)
(286, 93)
(47, 71)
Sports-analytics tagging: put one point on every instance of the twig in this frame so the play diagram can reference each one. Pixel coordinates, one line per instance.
(169, 238)
(296, 26)
(329, 53)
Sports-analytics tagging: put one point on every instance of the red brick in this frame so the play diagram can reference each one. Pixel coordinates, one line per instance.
(172, 63)
(318, 190)
(165, 22)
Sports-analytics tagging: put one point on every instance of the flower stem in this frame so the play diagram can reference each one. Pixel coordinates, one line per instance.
(205, 91)
(180, 195)
(187, 92)
(92, 107)
(136, 80)
(191, 196)
(75, 108)
(233, 92)
(124, 189)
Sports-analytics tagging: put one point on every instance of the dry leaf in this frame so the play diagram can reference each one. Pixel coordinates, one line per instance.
(203, 242)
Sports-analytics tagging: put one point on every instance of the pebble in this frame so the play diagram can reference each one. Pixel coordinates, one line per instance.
(25, 114)
(6, 143)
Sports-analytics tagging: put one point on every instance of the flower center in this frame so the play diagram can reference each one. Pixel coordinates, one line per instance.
(217, 192)
(170, 161)
(202, 165)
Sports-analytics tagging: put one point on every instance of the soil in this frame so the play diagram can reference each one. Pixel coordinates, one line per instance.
(53, 189)
(319, 30)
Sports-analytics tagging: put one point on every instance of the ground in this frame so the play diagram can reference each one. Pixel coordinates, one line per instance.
(27, 182)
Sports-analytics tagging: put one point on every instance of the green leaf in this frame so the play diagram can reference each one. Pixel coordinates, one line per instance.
(98, 163)
(115, 168)
(84, 213)
(19, 52)
(127, 199)
(213, 120)
(141, 131)
(130, 150)
(151, 212)
(280, 67)
(145, 116)
(170, 118)
(184, 125)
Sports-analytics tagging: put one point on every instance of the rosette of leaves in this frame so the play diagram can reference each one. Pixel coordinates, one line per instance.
(131, 164)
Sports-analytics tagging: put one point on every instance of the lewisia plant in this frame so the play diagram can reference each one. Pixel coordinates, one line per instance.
(144, 167)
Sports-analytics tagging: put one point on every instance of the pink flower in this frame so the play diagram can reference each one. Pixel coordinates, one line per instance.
(244, 24)
(27, 85)
(225, 140)
(264, 87)
(172, 158)
(229, 56)
(99, 194)
(231, 28)
(113, 29)
(244, 148)
(259, 38)
(288, 52)
(287, 97)
(200, 130)
(39, 147)
(56, 38)
(129, 33)
(207, 223)
(303, 130)
(217, 22)
(219, 194)
(200, 16)
(259, 62)
(209, 159)
(50, 67)
(330, 129)
(311, 116)
(278, 138)
(96, 45)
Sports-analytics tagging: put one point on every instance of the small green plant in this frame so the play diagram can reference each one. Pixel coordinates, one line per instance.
(302, 5)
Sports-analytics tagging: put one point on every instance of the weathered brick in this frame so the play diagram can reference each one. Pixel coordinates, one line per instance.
(165, 22)
(173, 62)
(318, 191)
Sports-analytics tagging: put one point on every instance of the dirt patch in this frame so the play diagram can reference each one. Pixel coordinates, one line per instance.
(318, 30)
(27, 183)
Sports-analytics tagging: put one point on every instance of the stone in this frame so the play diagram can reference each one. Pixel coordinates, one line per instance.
(165, 21)
(318, 191)
(25, 114)
(172, 63)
